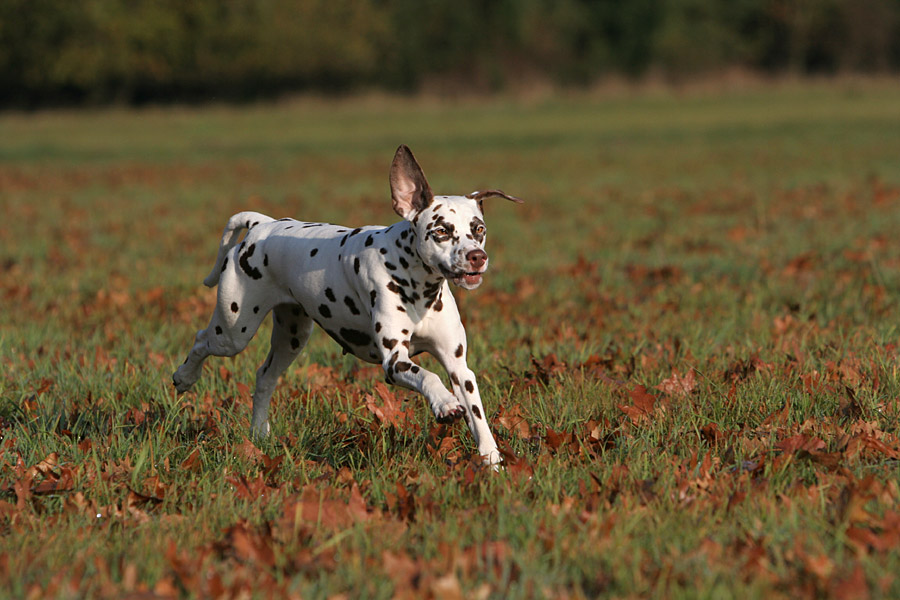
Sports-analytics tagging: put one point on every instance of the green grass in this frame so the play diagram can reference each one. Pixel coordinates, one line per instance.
(735, 253)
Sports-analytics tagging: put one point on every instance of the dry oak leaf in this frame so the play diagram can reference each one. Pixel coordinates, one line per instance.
(319, 507)
(678, 385)
(642, 404)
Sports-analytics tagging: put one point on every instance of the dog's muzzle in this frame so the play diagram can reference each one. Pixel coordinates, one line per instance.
(471, 277)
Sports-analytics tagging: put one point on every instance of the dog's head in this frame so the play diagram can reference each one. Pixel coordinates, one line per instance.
(450, 230)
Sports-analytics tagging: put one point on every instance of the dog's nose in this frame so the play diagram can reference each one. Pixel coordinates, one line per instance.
(477, 258)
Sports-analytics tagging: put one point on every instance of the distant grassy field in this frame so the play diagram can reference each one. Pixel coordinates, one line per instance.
(687, 344)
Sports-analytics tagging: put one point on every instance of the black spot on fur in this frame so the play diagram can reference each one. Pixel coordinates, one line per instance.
(234, 307)
(355, 231)
(388, 343)
(459, 351)
(351, 305)
(356, 337)
(390, 266)
(377, 326)
(454, 378)
(218, 330)
(439, 305)
(243, 330)
(347, 349)
(265, 260)
(325, 311)
(403, 263)
(383, 250)
(369, 241)
(404, 331)
(329, 293)
(470, 387)
(401, 309)
(400, 281)
(373, 295)
(356, 265)
(255, 309)
(295, 343)
(288, 227)
(477, 412)
(244, 261)
(415, 369)
(224, 264)
(313, 252)
(344, 240)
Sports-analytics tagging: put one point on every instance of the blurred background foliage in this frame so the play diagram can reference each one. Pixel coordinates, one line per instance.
(58, 52)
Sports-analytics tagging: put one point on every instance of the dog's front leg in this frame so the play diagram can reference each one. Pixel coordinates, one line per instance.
(399, 369)
(466, 389)
(446, 405)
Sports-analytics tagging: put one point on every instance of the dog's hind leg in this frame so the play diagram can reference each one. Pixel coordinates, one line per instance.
(291, 329)
(239, 311)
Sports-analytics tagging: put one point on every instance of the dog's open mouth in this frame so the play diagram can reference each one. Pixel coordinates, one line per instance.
(464, 279)
(469, 278)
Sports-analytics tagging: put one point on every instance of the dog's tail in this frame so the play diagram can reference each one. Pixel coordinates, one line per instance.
(236, 224)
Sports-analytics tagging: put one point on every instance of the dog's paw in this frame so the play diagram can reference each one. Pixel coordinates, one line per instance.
(182, 383)
(448, 411)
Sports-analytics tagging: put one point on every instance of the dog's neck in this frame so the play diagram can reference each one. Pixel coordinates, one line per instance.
(425, 279)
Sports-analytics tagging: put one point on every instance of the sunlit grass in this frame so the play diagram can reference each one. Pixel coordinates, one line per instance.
(742, 242)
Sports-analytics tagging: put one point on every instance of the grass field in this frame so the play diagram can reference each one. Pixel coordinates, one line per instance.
(687, 345)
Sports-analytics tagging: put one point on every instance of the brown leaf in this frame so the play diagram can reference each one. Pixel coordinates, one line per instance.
(512, 419)
(514, 465)
(320, 507)
(850, 587)
(642, 404)
(800, 442)
(248, 450)
(193, 461)
(250, 545)
(678, 385)
(389, 412)
(401, 569)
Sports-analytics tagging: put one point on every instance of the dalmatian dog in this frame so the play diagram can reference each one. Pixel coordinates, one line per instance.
(382, 293)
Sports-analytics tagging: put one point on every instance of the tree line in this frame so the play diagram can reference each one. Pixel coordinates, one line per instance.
(132, 51)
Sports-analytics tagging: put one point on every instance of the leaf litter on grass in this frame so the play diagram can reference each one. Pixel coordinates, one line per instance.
(694, 385)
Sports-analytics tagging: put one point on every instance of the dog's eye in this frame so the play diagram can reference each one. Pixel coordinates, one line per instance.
(439, 231)
(479, 230)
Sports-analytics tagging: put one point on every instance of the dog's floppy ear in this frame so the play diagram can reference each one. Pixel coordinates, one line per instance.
(410, 192)
(480, 196)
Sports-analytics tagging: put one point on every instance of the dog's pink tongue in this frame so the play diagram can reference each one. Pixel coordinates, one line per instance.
(473, 278)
